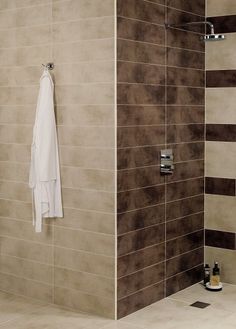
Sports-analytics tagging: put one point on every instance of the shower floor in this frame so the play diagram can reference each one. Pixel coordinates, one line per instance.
(173, 312)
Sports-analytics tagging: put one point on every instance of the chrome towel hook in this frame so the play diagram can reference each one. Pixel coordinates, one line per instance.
(49, 66)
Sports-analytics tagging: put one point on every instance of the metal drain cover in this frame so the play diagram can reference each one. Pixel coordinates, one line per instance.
(200, 305)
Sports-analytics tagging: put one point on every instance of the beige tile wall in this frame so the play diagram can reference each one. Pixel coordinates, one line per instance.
(220, 7)
(72, 263)
(220, 213)
(220, 210)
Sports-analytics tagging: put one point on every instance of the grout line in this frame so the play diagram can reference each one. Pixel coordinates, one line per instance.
(183, 217)
(158, 145)
(185, 253)
(82, 292)
(25, 278)
(184, 235)
(161, 45)
(142, 289)
(56, 226)
(63, 187)
(58, 246)
(160, 65)
(50, 24)
(55, 43)
(189, 197)
(141, 269)
(65, 207)
(161, 184)
(116, 158)
(158, 85)
(154, 165)
(120, 235)
(170, 277)
(166, 141)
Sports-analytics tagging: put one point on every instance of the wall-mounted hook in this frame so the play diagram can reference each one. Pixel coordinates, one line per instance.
(49, 66)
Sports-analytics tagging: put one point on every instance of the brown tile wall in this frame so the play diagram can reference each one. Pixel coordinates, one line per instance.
(160, 94)
(72, 262)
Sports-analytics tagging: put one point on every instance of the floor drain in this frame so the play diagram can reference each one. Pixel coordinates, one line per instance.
(200, 305)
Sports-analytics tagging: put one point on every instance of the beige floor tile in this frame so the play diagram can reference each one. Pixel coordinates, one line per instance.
(224, 300)
(170, 313)
(119, 325)
(55, 318)
(12, 307)
(175, 314)
(229, 322)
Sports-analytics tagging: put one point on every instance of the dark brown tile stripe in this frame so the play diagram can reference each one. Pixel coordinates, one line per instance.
(141, 10)
(138, 156)
(185, 96)
(139, 280)
(138, 219)
(141, 198)
(188, 151)
(220, 186)
(140, 239)
(185, 77)
(136, 115)
(140, 299)
(184, 243)
(185, 207)
(140, 31)
(179, 17)
(161, 2)
(185, 189)
(150, 155)
(185, 114)
(184, 280)
(128, 50)
(220, 239)
(140, 259)
(133, 94)
(221, 132)
(196, 6)
(137, 178)
(185, 58)
(184, 262)
(140, 73)
(185, 133)
(185, 171)
(221, 78)
(184, 39)
(183, 226)
(224, 24)
(140, 136)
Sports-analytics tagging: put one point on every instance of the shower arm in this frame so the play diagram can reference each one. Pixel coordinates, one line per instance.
(194, 23)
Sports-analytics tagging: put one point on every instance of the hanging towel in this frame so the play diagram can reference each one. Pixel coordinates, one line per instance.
(44, 177)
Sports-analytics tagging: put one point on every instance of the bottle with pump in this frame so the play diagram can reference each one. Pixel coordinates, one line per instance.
(215, 279)
(207, 274)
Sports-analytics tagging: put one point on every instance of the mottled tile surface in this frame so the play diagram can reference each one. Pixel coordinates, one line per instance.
(160, 94)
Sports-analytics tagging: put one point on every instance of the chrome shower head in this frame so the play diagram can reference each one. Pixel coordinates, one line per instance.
(207, 37)
(213, 37)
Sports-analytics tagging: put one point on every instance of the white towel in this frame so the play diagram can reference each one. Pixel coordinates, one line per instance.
(44, 177)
